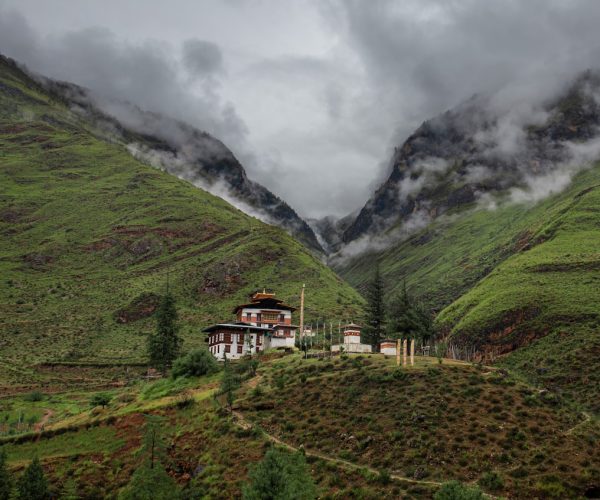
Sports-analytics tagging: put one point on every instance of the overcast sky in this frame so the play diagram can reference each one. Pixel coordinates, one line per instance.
(311, 95)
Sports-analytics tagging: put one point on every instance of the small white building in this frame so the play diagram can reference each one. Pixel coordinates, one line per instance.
(352, 342)
(387, 347)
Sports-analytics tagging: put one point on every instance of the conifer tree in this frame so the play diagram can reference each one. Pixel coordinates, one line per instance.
(408, 319)
(150, 481)
(150, 484)
(5, 479)
(374, 327)
(153, 444)
(280, 475)
(165, 344)
(32, 485)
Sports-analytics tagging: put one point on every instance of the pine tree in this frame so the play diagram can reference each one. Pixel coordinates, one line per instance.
(32, 485)
(150, 481)
(408, 319)
(150, 484)
(5, 479)
(280, 475)
(153, 444)
(374, 327)
(165, 344)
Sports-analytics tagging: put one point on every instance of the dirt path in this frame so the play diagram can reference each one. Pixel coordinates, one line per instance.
(241, 421)
(587, 416)
(39, 427)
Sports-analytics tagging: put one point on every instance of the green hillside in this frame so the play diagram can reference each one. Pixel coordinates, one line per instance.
(90, 238)
(519, 275)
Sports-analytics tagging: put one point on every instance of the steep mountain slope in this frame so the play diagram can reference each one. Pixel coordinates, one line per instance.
(511, 269)
(90, 237)
(184, 151)
(521, 278)
(478, 150)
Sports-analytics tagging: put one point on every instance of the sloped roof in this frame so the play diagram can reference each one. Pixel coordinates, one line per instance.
(265, 303)
(239, 326)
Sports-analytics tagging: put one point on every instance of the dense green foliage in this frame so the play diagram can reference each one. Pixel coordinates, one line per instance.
(100, 399)
(375, 315)
(165, 344)
(6, 482)
(32, 485)
(281, 475)
(407, 319)
(195, 363)
(457, 491)
(150, 483)
(88, 234)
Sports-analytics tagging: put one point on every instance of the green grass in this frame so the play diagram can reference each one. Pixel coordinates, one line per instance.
(86, 229)
(85, 441)
(502, 279)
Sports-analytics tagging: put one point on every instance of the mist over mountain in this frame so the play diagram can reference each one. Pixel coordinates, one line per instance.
(184, 151)
(481, 154)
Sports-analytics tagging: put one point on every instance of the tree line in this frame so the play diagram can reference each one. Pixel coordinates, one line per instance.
(399, 316)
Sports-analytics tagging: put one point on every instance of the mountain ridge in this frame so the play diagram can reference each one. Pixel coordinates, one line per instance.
(182, 150)
(473, 153)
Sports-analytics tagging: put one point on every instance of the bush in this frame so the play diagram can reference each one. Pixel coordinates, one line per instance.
(458, 491)
(280, 475)
(195, 364)
(100, 399)
(491, 481)
(34, 396)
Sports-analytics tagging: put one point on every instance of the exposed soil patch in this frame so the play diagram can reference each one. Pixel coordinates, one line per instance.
(141, 307)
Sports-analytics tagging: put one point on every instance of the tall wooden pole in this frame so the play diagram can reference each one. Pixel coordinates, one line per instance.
(404, 346)
(302, 312)
(412, 352)
(398, 352)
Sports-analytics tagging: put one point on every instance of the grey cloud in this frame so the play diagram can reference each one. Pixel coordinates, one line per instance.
(202, 59)
(382, 69)
(146, 74)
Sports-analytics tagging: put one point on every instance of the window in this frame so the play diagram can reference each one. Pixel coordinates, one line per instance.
(281, 318)
(227, 349)
(259, 339)
(221, 336)
(270, 316)
(248, 316)
(228, 338)
(239, 349)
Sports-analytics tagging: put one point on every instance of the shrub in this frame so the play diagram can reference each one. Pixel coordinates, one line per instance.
(384, 477)
(458, 491)
(195, 364)
(280, 475)
(34, 396)
(100, 399)
(491, 481)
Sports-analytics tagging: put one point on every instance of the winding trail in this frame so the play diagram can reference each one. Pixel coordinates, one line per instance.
(242, 422)
(587, 416)
(48, 414)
